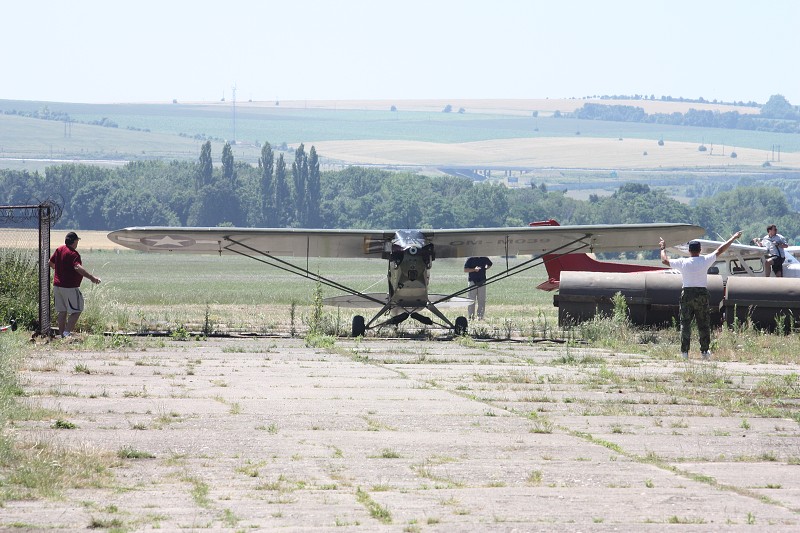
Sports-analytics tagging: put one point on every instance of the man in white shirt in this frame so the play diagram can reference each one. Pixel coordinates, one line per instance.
(694, 294)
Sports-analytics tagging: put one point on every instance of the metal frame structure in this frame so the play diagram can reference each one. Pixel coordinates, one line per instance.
(46, 214)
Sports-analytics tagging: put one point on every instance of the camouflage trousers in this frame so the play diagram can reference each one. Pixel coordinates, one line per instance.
(694, 305)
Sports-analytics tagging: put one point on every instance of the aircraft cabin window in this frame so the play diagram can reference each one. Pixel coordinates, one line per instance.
(737, 268)
(755, 264)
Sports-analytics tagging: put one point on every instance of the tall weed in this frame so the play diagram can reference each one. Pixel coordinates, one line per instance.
(19, 288)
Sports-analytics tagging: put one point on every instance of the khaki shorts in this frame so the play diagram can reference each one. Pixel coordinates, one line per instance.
(68, 300)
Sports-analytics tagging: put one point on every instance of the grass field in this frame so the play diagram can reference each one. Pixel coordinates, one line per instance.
(161, 291)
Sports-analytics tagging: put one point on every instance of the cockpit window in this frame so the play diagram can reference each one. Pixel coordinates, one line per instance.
(756, 264)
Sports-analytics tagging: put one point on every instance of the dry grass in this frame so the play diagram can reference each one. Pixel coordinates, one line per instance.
(90, 240)
(28, 238)
(556, 152)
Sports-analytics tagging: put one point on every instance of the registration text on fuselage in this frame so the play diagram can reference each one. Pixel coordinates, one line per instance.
(479, 242)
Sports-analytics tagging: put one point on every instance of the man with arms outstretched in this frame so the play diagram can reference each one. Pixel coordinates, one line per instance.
(694, 294)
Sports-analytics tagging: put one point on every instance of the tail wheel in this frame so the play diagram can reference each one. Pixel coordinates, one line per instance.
(358, 326)
(461, 325)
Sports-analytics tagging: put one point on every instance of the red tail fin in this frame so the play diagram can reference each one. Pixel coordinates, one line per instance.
(556, 264)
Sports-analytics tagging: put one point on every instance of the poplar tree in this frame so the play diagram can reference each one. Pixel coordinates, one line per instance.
(314, 189)
(205, 172)
(300, 175)
(266, 166)
(228, 172)
(283, 198)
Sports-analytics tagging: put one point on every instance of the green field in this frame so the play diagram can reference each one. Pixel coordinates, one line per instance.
(160, 291)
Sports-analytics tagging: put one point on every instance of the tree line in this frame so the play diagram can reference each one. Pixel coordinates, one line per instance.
(777, 115)
(276, 193)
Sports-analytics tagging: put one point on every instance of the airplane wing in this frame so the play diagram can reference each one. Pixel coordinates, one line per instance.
(531, 240)
(371, 243)
(285, 242)
(735, 250)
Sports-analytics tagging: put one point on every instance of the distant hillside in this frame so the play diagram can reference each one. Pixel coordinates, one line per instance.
(475, 132)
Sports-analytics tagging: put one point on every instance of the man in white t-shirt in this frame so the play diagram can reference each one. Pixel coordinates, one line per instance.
(694, 294)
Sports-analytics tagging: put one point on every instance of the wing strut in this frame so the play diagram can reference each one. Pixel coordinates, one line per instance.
(294, 269)
(522, 267)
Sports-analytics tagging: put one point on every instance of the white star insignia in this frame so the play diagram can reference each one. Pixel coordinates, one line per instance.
(167, 241)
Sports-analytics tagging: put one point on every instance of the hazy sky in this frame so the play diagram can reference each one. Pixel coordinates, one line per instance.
(146, 51)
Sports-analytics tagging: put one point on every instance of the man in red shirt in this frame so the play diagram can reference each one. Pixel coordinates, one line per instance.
(69, 272)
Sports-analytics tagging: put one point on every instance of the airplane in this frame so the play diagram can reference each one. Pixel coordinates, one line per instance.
(409, 253)
(743, 259)
(652, 292)
(738, 260)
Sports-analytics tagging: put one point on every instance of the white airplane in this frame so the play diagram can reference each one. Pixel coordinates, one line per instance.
(737, 260)
(737, 284)
(409, 253)
(743, 259)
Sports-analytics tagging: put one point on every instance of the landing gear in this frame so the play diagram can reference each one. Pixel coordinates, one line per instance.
(358, 326)
(461, 326)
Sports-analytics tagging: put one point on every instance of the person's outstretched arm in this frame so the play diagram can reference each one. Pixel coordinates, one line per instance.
(724, 246)
(664, 258)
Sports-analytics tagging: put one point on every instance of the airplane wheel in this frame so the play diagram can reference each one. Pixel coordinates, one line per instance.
(358, 326)
(461, 325)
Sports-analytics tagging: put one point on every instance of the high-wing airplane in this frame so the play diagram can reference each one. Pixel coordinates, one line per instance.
(409, 253)
(737, 260)
(736, 282)
(743, 259)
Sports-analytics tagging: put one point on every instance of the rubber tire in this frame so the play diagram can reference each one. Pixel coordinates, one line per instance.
(461, 326)
(358, 326)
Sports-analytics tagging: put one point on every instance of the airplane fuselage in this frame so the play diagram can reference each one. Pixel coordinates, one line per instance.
(410, 261)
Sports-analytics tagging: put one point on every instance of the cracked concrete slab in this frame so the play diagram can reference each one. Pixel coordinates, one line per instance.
(409, 435)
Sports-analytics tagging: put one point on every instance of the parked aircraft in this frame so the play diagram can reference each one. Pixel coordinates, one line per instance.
(409, 253)
(742, 259)
(738, 287)
(738, 260)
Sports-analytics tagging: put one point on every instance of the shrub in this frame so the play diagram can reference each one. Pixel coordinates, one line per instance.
(19, 289)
